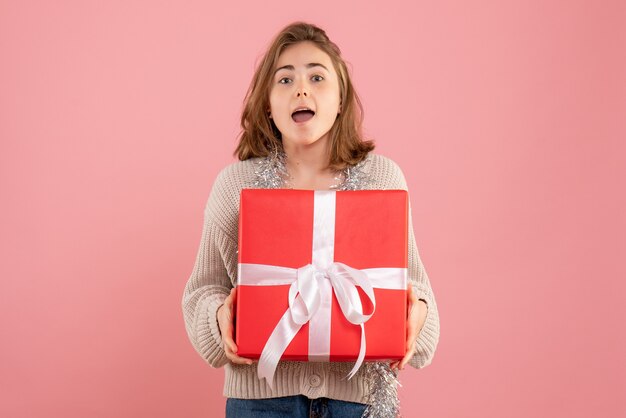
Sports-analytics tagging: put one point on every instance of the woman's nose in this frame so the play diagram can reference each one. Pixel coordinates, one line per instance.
(302, 90)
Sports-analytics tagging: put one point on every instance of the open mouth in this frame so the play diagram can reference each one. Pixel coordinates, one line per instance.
(303, 115)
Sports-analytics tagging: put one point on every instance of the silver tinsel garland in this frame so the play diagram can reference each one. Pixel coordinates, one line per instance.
(271, 173)
(383, 399)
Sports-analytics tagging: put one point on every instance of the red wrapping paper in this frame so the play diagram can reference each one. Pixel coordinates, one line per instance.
(276, 228)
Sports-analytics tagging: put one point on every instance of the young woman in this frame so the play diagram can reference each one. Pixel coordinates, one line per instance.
(301, 129)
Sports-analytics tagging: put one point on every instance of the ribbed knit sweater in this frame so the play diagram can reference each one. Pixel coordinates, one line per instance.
(215, 273)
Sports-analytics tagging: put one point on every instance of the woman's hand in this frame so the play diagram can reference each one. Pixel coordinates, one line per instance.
(225, 317)
(415, 321)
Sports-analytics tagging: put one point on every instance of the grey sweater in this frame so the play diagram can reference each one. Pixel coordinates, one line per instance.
(215, 273)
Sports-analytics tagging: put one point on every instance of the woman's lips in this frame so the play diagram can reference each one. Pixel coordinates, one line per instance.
(302, 116)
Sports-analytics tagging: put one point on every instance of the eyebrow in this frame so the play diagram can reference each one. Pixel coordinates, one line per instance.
(309, 65)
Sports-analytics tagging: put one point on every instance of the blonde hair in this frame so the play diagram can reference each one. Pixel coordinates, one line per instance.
(259, 135)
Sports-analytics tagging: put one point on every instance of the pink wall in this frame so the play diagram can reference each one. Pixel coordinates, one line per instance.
(508, 119)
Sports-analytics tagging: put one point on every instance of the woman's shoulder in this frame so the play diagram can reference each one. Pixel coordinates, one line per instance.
(223, 201)
(237, 174)
(385, 172)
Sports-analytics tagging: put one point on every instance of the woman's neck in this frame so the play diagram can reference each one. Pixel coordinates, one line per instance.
(307, 161)
(307, 166)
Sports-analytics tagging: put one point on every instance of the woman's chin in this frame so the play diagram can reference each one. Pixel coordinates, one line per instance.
(303, 141)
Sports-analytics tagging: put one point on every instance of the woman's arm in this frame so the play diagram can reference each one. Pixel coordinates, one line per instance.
(207, 288)
(427, 332)
(428, 336)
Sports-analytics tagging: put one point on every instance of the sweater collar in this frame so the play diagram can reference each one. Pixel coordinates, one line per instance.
(271, 173)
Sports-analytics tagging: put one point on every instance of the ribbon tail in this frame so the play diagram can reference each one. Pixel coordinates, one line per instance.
(276, 345)
(361, 357)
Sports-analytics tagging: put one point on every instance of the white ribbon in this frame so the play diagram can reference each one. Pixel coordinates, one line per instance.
(311, 289)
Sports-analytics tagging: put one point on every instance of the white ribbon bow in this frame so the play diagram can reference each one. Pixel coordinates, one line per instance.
(304, 301)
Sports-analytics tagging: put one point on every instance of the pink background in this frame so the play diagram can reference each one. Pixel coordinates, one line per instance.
(508, 119)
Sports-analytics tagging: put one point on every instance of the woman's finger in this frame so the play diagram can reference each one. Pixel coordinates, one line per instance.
(412, 322)
(232, 356)
(412, 332)
(225, 318)
(228, 339)
(225, 321)
(407, 357)
(412, 297)
(238, 360)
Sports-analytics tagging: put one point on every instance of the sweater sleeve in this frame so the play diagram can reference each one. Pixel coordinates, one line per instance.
(208, 286)
(428, 337)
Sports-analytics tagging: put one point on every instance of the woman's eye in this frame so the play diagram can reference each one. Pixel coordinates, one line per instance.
(284, 80)
(318, 77)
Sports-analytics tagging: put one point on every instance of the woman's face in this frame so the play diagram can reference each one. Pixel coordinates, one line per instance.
(304, 78)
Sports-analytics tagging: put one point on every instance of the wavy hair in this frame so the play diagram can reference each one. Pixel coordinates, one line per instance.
(259, 135)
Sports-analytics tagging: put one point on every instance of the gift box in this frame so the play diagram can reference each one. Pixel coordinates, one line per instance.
(322, 276)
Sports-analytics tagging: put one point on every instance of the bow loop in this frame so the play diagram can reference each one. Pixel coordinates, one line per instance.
(304, 295)
(344, 280)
